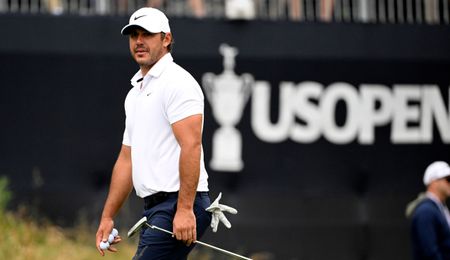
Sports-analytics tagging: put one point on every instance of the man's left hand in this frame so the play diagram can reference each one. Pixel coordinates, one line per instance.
(184, 226)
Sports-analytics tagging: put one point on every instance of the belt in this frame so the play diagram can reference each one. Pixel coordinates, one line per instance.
(159, 197)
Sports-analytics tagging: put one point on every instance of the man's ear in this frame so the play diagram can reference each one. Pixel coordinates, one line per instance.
(167, 39)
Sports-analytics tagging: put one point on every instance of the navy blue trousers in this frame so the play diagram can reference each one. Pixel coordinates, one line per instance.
(155, 244)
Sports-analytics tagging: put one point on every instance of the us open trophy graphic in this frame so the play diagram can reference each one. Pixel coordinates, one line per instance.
(227, 93)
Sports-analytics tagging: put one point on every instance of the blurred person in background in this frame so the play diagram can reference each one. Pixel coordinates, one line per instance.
(197, 7)
(432, 11)
(295, 10)
(430, 217)
(55, 7)
(326, 10)
(161, 154)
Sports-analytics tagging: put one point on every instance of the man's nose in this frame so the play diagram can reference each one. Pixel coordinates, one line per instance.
(139, 38)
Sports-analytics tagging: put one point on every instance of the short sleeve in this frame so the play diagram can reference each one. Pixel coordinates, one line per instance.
(126, 138)
(184, 101)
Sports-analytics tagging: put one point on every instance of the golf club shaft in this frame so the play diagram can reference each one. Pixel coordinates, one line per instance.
(202, 243)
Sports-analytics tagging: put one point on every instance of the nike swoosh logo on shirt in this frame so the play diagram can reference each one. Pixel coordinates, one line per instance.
(137, 17)
(148, 94)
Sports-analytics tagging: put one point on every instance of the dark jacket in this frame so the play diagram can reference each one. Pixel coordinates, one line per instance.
(430, 232)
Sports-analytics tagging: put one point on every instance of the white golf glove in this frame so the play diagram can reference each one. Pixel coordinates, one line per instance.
(217, 213)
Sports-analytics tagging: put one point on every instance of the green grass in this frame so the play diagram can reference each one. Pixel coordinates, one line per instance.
(26, 239)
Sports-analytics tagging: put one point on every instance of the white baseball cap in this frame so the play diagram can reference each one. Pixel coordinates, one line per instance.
(435, 171)
(149, 19)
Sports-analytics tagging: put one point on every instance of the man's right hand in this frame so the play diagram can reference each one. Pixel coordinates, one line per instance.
(104, 229)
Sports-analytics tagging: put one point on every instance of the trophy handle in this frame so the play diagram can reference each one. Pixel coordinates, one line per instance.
(207, 82)
(247, 86)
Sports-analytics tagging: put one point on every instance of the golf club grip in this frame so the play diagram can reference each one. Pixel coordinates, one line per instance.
(201, 243)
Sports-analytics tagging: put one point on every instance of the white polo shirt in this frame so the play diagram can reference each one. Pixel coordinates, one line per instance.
(166, 94)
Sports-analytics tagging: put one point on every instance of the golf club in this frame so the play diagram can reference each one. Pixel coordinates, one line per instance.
(143, 221)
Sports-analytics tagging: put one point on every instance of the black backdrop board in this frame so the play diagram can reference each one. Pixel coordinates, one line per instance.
(338, 192)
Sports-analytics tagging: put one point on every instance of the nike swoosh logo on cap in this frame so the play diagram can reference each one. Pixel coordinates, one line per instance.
(137, 17)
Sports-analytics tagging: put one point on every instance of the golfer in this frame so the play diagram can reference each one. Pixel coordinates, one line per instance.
(161, 154)
(430, 217)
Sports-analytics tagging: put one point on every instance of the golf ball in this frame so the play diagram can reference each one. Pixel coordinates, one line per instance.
(104, 245)
(114, 232)
(110, 238)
